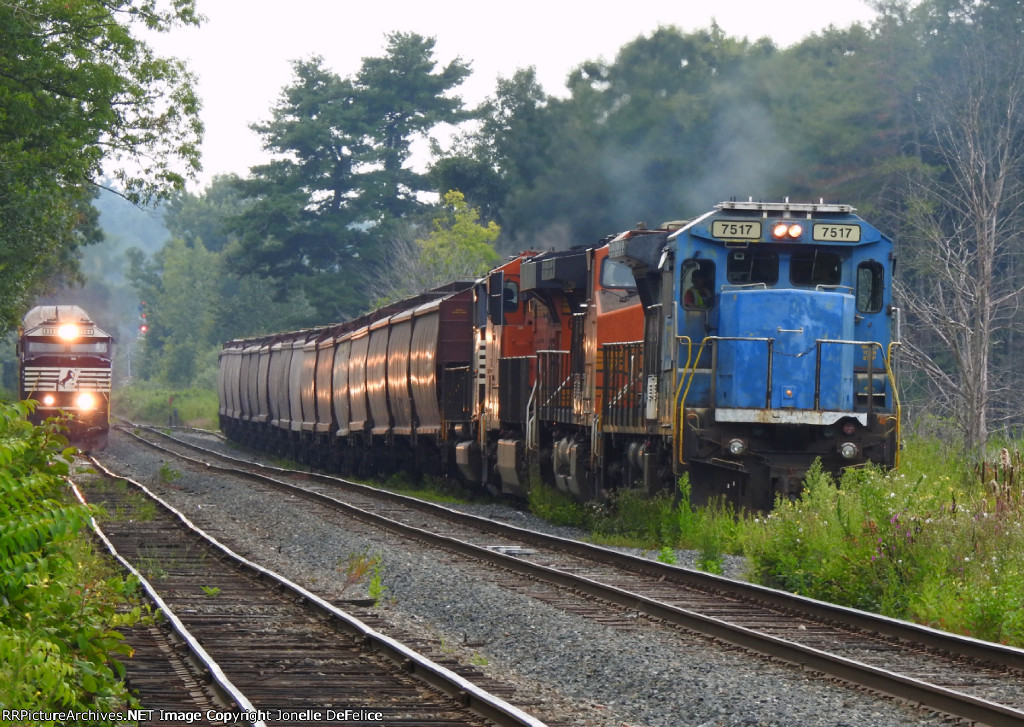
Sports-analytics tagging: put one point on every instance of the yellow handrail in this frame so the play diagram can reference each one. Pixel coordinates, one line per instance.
(679, 400)
(896, 405)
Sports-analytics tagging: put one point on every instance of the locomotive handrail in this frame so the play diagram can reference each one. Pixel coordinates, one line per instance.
(532, 437)
(692, 372)
(886, 360)
(680, 396)
(738, 286)
(896, 404)
(561, 386)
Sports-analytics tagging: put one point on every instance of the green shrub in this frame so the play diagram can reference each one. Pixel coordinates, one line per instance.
(933, 543)
(59, 605)
(556, 507)
(648, 521)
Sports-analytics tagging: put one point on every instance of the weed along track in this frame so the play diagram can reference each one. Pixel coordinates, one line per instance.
(274, 652)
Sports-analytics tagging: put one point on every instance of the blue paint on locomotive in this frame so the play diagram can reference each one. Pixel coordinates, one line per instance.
(794, 293)
(775, 364)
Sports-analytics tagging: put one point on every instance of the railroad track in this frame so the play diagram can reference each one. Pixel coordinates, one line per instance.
(267, 651)
(974, 680)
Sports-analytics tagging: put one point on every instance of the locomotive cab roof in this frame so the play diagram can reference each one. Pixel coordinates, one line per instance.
(45, 321)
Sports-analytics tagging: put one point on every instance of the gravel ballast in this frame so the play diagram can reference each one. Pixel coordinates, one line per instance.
(569, 668)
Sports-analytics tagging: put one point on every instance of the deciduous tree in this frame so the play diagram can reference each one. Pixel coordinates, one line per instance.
(82, 93)
(457, 248)
(965, 221)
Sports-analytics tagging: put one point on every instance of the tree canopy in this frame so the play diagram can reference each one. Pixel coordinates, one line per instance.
(83, 97)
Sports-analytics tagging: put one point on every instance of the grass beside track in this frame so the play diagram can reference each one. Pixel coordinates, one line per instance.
(152, 405)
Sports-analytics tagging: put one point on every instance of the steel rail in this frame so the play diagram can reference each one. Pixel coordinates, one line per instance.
(936, 697)
(477, 699)
(224, 690)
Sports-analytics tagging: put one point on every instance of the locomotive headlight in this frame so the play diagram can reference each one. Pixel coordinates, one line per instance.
(737, 447)
(848, 450)
(85, 401)
(68, 331)
(49, 400)
(787, 231)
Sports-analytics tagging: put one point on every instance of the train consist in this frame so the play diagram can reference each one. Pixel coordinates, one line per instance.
(738, 347)
(64, 364)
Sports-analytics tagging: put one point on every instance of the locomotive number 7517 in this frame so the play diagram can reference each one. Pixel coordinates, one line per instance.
(736, 230)
(836, 233)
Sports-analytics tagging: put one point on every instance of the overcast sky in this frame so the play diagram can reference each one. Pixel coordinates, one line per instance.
(243, 52)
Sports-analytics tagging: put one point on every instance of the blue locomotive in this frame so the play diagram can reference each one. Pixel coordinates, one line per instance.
(770, 332)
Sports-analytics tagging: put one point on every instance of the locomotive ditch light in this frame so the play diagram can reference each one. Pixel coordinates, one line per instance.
(85, 401)
(848, 450)
(737, 447)
(787, 231)
(68, 332)
(49, 400)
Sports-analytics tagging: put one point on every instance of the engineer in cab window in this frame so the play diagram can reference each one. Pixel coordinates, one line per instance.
(698, 295)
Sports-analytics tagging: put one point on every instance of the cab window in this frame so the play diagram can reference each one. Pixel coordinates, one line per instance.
(870, 283)
(751, 266)
(76, 348)
(815, 267)
(616, 275)
(510, 296)
(698, 284)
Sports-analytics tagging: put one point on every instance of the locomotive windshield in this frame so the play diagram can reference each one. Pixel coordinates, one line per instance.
(815, 267)
(97, 347)
(616, 275)
(752, 266)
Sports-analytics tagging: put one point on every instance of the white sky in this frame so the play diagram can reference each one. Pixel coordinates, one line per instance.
(243, 53)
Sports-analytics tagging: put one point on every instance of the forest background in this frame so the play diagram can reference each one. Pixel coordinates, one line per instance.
(916, 120)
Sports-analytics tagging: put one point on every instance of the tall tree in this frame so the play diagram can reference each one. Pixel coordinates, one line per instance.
(202, 217)
(79, 91)
(405, 98)
(635, 140)
(321, 211)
